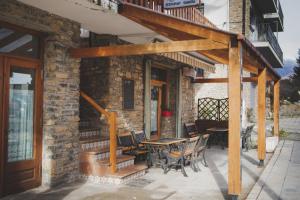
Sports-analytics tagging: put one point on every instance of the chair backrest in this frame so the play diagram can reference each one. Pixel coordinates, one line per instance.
(125, 139)
(201, 145)
(191, 144)
(191, 129)
(139, 136)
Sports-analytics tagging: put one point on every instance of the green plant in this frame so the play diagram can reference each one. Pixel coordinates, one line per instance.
(283, 133)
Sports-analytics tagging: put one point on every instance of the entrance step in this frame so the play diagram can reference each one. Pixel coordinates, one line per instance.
(120, 177)
(102, 167)
(123, 161)
(89, 132)
(97, 154)
(93, 143)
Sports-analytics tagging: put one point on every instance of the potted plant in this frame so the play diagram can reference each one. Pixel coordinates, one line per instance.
(167, 113)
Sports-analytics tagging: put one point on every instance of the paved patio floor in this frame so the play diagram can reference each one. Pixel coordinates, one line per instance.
(281, 178)
(210, 183)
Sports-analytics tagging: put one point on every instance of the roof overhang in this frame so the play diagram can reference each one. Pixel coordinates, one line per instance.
(179, 29)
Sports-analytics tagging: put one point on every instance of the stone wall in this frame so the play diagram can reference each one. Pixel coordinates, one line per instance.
(102, 79)
(61, 89)
(236, 16)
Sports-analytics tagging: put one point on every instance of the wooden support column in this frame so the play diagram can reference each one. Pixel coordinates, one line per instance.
(261, 119)
(147, 98)
(276, 107)
(113, 142)
(235, 103)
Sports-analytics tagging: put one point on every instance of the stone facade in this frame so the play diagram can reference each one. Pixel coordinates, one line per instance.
(236, 16)
(101, 78)
(61, 89)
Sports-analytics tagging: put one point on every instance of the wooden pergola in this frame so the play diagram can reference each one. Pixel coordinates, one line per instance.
(223, 47)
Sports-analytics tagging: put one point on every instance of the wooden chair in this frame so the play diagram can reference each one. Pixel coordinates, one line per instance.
(246, 137)
(126, 141)
(178, 158)
(191, 129)
(138, 137)
(199, 153)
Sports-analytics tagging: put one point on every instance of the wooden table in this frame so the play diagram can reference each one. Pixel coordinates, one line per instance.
(156, 147)
(222, 133)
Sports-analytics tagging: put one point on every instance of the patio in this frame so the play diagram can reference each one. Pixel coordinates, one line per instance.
(210, 183)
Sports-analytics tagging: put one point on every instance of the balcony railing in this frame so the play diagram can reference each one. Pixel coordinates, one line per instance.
(191, 14)
(267, 35)
(280, 13)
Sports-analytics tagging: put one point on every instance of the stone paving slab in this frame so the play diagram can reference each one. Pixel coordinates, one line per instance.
(209, 184)
(281, 178)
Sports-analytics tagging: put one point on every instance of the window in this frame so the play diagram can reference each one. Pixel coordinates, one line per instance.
(158, 74)
(200, 73)
(18, 43)
(128, 94)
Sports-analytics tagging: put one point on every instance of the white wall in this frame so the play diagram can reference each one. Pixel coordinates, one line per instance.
(217, 11)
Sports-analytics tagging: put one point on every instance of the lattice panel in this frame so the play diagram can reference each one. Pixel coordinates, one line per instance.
(208, 109)
(213, 109)
(223, 109)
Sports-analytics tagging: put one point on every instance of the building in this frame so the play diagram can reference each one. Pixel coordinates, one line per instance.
(260, 22)
(49, 58)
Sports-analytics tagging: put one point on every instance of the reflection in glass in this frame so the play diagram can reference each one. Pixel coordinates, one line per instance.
(18, 43)
(21, 113)
(154, 109)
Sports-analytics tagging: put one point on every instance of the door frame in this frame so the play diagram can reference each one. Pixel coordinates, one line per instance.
(1, 126)
(4, 89)
(158, 84)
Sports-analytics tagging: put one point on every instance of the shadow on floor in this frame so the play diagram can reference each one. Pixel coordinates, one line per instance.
(58, 193)
(219, 178)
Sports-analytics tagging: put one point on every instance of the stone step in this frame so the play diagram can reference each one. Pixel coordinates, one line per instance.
(123, 175)
(123, 161)
(97, 154)
(89, 132)
(93, 143)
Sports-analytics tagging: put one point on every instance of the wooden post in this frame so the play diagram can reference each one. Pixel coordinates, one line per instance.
(113, 141)
(261, 120)
(234, 95)
(147, 99)
(276, 107)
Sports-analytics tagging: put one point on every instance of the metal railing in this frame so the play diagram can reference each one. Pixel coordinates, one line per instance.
(280, 13)
(266, 34)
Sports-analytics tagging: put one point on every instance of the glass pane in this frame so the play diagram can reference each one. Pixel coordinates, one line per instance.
(158, 74)
(18, 43)
(21, 112)
(154, 109)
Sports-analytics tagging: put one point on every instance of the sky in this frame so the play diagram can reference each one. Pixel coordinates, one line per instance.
(289, 40)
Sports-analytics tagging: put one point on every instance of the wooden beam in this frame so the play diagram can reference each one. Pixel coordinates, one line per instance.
(235, 102)
(223, 80)
(261, 120)
(151, 48)
(139, 14)
(276, 107)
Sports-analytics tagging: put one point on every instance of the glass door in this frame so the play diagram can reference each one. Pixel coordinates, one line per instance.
(155, 111)
(21, 122)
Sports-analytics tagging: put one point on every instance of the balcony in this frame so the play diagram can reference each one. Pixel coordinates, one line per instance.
(268, 45)
(272, 13)
(192, 14)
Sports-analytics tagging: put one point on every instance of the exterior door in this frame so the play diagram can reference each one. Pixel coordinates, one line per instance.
(155, 128)
(21, 139)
